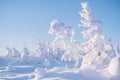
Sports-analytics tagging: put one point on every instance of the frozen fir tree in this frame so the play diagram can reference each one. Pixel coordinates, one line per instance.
(97, 47)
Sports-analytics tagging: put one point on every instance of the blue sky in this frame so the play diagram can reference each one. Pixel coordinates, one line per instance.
(22, 22)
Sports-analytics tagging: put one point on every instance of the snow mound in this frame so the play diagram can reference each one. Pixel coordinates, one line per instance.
(114, 66)
(39, 73)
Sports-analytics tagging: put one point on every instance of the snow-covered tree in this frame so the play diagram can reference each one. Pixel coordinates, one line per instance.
(45, 55)
(64, 41)
(25, 55)
(9, 52)
(16, 55)
(41, 52)
(98, 48)
(12, 55)
(41, 49)
(72, 54)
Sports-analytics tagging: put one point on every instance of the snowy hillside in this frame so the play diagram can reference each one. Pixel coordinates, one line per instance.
(65, 58)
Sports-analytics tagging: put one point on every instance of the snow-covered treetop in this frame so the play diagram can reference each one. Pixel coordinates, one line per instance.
(89, 19)
(60, 30)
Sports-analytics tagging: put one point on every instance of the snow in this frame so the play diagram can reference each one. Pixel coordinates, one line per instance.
(114, 66)
(57, 73)
(65, 58)
(60, 30)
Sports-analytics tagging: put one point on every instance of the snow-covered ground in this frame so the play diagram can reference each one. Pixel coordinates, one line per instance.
(56, 73)
(65, 58)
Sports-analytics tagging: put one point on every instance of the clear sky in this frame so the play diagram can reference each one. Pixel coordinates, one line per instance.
(25, 21)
